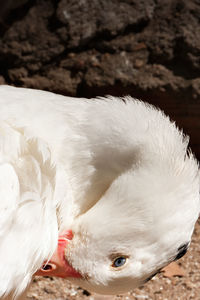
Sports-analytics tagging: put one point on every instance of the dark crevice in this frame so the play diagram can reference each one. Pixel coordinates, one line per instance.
(96, 42)
(182, 69)
(136, 28)
(102, 36)
(179, 64)
(54, 23)
(4, 74)
(7, 62)
(13, 15)
(107, 36)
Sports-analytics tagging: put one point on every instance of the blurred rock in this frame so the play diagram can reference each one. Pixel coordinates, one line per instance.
(148, 48)
(8, 5)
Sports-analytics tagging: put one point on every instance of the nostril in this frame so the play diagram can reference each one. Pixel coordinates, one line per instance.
(47, 267)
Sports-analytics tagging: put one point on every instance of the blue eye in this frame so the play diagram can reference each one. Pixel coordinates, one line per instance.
(120, 261)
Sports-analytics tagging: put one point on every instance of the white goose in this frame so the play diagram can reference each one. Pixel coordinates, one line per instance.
(111, 179)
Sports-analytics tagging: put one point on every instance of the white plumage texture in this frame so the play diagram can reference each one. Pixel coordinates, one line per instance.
(116, 172)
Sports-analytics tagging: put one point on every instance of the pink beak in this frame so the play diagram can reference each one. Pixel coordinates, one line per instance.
(58, 265)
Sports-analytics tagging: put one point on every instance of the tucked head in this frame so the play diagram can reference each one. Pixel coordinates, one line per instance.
(143, 221)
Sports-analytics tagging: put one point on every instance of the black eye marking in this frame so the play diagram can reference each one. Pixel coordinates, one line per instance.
(150, 277)
(182, 251)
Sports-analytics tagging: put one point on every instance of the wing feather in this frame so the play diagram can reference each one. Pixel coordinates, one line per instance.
(28, 221)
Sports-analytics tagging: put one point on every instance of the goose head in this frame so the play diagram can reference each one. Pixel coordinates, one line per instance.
(143, 221)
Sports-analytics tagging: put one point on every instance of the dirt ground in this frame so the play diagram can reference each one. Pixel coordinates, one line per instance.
(186, 287)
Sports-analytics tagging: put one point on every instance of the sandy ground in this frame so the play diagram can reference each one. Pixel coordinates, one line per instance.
(159, 288)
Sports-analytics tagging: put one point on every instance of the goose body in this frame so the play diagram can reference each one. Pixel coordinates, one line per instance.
(111, 179)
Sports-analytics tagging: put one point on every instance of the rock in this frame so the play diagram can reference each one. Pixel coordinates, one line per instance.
(149, 49)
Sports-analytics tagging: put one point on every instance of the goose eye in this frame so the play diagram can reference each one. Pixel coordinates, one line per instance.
(118, 262)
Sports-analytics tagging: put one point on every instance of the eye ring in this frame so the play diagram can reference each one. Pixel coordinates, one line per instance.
(119, 262)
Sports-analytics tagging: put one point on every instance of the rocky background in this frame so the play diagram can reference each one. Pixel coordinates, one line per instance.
(149, 49)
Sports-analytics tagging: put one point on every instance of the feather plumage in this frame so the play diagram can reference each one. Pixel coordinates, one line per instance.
(116, 172)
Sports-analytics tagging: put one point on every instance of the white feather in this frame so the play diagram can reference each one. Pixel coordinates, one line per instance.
(116, 172)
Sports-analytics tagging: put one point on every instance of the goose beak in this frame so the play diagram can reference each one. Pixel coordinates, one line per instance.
(58, 265)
